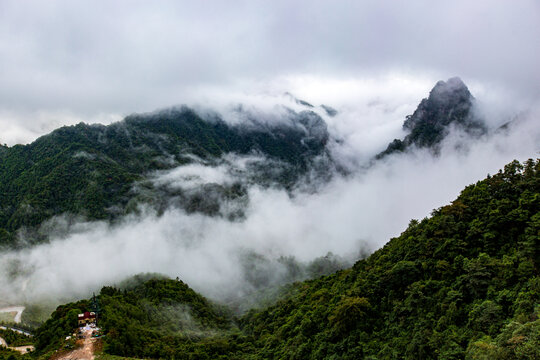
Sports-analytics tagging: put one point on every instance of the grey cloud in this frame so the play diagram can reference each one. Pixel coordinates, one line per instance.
(62, 62)
(360, 212)
(129, 56)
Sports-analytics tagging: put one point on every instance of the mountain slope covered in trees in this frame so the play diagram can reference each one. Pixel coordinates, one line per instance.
(463, 283)
(150, 317)
(97, 172)
(91, 170)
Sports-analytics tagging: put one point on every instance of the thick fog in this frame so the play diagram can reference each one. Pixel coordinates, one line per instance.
(62, 62)
(349, 217)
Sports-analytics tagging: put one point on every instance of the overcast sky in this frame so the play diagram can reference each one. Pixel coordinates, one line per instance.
(65, 61)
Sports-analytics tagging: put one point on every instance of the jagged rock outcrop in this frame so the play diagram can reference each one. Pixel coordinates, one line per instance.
(449, 104)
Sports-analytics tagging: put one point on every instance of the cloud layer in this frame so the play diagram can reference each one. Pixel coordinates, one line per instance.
(62, 62)
(348, 216)
(88, 58)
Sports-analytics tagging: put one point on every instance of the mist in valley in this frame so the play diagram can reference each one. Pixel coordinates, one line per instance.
(226, 226)
(279, 235)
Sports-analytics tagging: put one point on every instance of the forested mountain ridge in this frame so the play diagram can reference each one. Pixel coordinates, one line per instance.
(90, 170)
(463, 283)
(140, 317)
(97, 172)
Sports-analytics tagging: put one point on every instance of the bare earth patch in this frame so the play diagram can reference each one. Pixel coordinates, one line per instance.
(84, 352)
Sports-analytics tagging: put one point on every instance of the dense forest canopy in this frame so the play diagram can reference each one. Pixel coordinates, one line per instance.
(97, 172)
(90, 171)
(463, 283)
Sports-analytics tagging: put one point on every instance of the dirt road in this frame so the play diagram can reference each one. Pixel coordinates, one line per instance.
(16, 330)
(18, 310)
(23, 349)
(85, 352)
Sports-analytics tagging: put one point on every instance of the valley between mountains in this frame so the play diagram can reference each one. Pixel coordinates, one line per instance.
(263, 233)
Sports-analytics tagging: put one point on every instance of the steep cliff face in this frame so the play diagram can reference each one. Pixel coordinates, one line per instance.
(449, 104)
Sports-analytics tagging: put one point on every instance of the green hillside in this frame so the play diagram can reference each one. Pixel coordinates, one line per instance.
(463, 283)
(90, 170)
(156, 318)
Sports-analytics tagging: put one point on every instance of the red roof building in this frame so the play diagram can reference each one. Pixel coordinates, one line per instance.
(87, 318)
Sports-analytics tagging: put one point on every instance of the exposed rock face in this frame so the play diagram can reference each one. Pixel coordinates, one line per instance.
(330, 111)
(449, 103)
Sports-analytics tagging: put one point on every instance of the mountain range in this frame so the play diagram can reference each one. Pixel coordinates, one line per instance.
(461, 283)
(98, 172)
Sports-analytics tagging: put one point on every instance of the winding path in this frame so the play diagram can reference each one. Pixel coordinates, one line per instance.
(16, 330)
(14, 309)
(21, 349)
(18, 310)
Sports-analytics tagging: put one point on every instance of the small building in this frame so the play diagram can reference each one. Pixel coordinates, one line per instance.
(88, 317)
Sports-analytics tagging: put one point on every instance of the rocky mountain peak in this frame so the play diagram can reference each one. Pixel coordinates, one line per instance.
(449, 103)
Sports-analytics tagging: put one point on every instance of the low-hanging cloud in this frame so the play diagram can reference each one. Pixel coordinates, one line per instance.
(348, 216)
(62, 62)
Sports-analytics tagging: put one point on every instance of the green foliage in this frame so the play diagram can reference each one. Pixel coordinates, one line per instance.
(8, 354)
(34, 315)
(164, 319)
(90, 170)
(14, 338)
(51, 334)
(463, 283)
(151, 318)
(348, 313)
